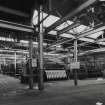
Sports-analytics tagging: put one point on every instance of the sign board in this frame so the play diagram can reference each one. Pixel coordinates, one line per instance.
(34, 62)
(75, 65)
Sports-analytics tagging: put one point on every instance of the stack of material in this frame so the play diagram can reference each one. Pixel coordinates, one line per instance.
(56, 74)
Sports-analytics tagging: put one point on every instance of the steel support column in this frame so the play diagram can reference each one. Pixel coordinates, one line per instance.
(15, 62)
(15, 26)
(30, 64)
(75, 60)
(40, 48)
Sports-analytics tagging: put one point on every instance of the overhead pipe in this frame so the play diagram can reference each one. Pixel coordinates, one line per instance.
(71, 14)
(16, 26)
(14, 12)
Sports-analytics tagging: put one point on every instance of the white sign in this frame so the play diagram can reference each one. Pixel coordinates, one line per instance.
(34, 62)
(75, 65)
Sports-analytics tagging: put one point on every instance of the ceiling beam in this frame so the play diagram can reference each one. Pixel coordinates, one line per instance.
(14, 12)
(87, 43)
(90, 38)
(81, 44)
(71, 14)
(92, 51)
(92, 32)
(79, 36)
(59, 42)
(15, 26)
(86, 52)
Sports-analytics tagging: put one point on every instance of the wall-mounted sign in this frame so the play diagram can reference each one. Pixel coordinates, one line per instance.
(34, 62)
(75, 65)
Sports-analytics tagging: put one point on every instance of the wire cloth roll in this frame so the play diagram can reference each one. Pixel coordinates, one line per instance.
(56, 74)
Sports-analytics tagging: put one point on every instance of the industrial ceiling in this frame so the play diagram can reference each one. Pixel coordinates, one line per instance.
(64, 21)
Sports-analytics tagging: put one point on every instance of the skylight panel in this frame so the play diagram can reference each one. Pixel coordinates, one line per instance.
(70, 22)
(72, 31)
(67, 35)
(64, 25)
(35, 17)
(50, 20)
(44, 14)
(95, 35)
(86, 39)
(53, 32)
(79, 29)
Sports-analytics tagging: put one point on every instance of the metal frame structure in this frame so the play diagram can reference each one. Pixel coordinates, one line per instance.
(79, 9)
(78, 36)
(70, 15)
(68, 28)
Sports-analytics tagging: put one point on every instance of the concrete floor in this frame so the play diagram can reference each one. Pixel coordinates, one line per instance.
(89, 92)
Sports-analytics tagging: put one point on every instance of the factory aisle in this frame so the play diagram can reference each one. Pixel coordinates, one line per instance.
(89, 92)
(9, 84)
